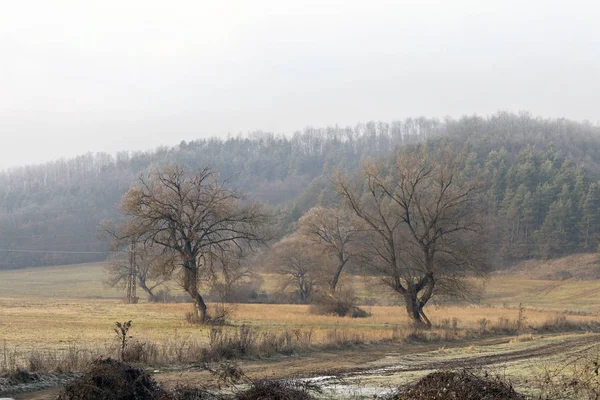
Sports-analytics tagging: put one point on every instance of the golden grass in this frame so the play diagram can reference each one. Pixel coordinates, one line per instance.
(69, 281)
(85, 281)
(571, 296)
(54, 307)
(576, 266)
(55, 324)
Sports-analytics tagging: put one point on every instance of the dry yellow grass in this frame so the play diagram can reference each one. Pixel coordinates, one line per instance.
(575, 266)
(54, 307)
(571, 295)
(56, 324)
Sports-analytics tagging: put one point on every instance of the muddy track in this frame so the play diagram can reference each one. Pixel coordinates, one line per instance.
(354, 362)
(548, 350)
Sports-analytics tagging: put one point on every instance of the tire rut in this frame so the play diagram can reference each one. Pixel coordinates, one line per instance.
(479, 361)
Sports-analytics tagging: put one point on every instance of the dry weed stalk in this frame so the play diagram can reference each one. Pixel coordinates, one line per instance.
(122, 330)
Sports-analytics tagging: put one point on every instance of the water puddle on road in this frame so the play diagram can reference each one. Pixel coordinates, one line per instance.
(355, 385)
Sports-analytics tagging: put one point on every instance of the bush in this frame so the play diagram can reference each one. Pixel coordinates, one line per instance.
(140, 352)
(244, 292)
(462, 385)
(165, 296)
(278, 390)
(185, 393)
(342, 304)
(247, 342)
(561, 323)
(108, 379)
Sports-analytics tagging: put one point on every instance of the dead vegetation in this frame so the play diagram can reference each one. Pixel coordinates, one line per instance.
(279, 390)
(463, 385)
(250, 342)
(576, 376)
(342, 304)
(584, 266)
(109, 379)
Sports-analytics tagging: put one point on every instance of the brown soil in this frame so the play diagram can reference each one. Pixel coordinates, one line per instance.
(353, 361)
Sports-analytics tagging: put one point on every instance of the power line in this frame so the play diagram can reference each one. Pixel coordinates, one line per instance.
(51, 251)
(42, 211)
(59, 244)
(49, 234)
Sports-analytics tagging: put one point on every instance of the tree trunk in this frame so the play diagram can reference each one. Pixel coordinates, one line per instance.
(190, 284)
(414, 310)
(147, 289)
(338, 273)
(415, 304)
(424, 318)
(200, 307)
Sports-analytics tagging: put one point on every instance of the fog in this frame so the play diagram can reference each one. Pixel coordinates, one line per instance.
(105, 76)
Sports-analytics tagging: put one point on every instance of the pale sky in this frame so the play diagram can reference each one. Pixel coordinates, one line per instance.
(78, 76)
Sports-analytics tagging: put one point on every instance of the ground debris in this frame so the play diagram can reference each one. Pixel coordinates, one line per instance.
(109, 379)
(190, 393)
(22, 381)
(461, 385)
(278, 390)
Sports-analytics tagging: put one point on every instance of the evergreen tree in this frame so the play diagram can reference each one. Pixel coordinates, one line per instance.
(590, 223)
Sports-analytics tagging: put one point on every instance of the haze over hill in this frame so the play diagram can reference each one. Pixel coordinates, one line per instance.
(113, 76)
(541, 179)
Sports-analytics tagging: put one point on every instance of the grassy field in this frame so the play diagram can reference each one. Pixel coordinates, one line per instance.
(53, 307)
(66, 311)
(85, 281)
(69, 281)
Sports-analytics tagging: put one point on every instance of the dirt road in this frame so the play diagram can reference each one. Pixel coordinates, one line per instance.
(379, 360)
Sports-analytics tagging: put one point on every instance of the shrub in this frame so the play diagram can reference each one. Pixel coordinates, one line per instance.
(188, 393)
(140, 352)
(483, 323)
(342, 304)
(560, 323)
(109, 379)
(165, 296)
(504, 326)
(458, 385)
(278, 390)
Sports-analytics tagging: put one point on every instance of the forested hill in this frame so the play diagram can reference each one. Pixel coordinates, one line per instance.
(542, 178)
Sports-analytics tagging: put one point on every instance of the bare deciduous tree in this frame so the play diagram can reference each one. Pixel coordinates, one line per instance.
(152, 269)
(193, 217)
(424, 236)
(330, 229)
(294, 259)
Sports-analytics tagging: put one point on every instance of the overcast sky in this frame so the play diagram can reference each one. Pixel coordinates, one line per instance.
(78, 76)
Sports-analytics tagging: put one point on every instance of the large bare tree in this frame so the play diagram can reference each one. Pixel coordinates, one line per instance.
(195, 217)
(424, 233)
(331, 229)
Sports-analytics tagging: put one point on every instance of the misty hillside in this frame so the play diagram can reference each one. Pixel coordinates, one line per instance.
(542, 182)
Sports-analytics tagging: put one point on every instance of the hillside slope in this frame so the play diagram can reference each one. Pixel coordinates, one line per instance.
(584, 266)
(542, 173)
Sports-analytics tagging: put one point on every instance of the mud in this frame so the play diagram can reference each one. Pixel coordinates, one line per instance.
(22, 382)
(366, 372)
(369, 382)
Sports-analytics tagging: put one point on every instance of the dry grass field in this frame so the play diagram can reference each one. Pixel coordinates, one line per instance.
(55, 307)
(52, 312)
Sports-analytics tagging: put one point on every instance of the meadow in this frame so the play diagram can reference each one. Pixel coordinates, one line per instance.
(54, 308)
(61, 318)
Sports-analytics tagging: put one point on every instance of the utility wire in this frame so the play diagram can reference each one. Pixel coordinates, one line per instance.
(44, 211)
(58, 244)
(51, 251)
(49, 234)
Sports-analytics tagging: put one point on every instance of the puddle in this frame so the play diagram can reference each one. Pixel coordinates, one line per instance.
(348, 385)
(354, 391)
